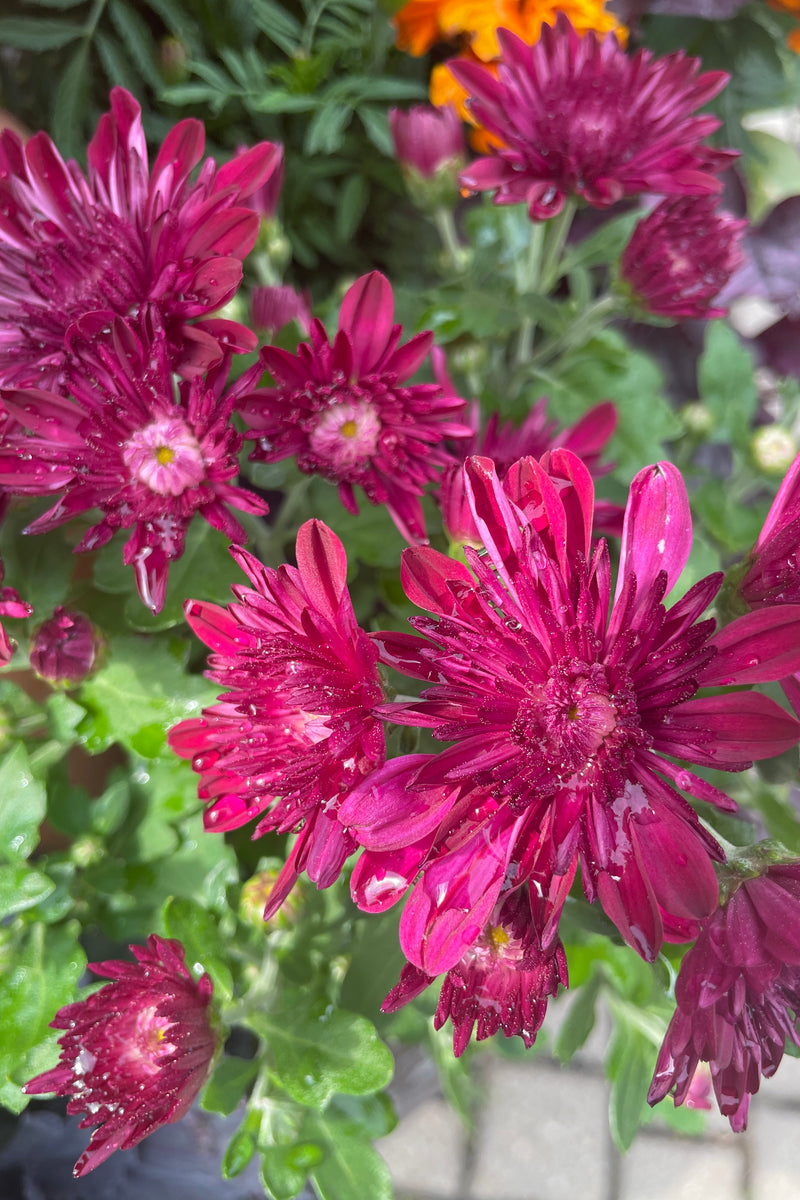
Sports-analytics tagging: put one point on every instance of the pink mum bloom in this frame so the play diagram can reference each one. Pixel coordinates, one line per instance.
(565, 711)
(119, 237)
(296, 731)
(738, 996)
(681, 256)
(503, 980)
(124, 443)
(274, 307)
(10, 606)
(577, 116)
(342, 410)
(134, 1054)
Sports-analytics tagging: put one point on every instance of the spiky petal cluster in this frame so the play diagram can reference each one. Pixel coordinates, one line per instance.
(295, 732)
(681, 256)
(344, 411)
(126, 444)
(120, 236)
(771, 569)
(503, 981)
(577, 116)
(571, 717)
(738, 995)
(134, 1054)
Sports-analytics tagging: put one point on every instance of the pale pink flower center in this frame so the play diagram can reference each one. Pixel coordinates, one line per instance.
(165, 456)
(346, 435)
(143, 1051)
(496, 947)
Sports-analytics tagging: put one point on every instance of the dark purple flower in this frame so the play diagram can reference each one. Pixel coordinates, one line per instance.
(680, 257)
(134, 1054)
(575, 115)
(738, 995)
(65, 648)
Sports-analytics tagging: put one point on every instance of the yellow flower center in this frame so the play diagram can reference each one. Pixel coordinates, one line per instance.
(164, 455)
(348, 429)
(497, 936)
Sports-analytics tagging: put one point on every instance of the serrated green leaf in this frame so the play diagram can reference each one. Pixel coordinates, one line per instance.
(351, 1167)
(46, 966)
(143, 691)
(23, 804)
(33, 33)
(193, 925)
(231, 1079)
(21, 888)
(317, 1055)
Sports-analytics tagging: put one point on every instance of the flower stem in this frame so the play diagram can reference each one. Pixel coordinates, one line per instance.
(455, 254)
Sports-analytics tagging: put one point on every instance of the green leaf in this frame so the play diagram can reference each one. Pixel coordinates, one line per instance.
(353, 199)
(23, 804)
(326, 129)
(205, 950)
(630, 1063)
(46, 964)
(142, 691)
(280, 26)
(284, 1169)
(115, 64)
(242, 1146)
(579, 1021)
(228, 1084)
(21, 888)
(319, 1054)
(32, 33)
(725, 376)
(351, 1167)
(70, 102)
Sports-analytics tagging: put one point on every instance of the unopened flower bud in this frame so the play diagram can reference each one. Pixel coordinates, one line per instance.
(173, 60)
(698, 418)
(256, 893)
(429, 143)
(774, 449)
(65, 648)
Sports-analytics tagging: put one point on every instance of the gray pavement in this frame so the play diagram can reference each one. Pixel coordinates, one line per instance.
(541, 1133)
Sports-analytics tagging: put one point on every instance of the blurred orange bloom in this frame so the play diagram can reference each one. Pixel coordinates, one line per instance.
(790, 6)
(421, 24)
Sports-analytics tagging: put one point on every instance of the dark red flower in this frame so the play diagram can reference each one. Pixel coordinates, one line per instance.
(126, 444)
(570, 717)
(134, 1054)
(296, 730)
(681, 256)
(344, 410)
(10, 606)
(576, 116)
(738, 996)
(119, 237)
(502, 981)
(65, 649)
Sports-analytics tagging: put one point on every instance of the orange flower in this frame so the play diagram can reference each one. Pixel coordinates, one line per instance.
(421, 24)
(790, 6)
(445, 89)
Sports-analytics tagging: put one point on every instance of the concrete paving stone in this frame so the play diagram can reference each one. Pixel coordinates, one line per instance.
(784, 1085)
(774, 1137)
(542, 1135)
(673, 1168)
(425, 1152)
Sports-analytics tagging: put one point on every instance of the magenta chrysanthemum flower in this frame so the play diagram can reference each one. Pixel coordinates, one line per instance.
(10, 606)
(344, 410)
(124, 443)
(771, 573)
(274, 307)
(65, 648)
(121, 236)
(738, 996)
(571, 717)
(502, 981)
(681, 256)
(135, 1053)
(577, 116)
(296, 731)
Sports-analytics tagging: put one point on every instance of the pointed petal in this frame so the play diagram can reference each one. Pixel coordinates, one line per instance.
(657, 534)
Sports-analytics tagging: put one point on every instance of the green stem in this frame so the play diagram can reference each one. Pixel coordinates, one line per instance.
(527, 280)
(582, 328)
(557, 231)
(455, 254)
